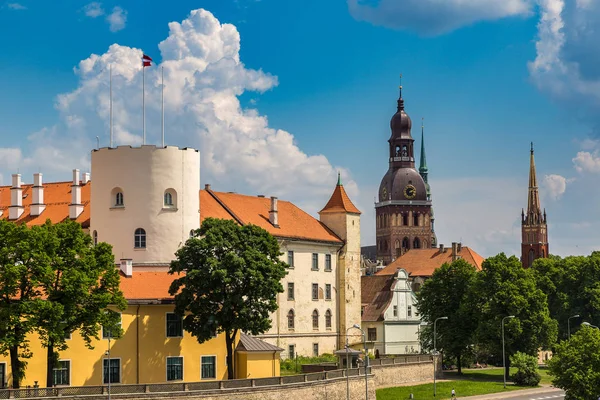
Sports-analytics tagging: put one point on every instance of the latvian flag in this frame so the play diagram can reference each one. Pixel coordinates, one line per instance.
(146, 61)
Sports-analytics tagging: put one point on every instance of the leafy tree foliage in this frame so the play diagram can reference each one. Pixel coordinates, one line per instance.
(575, 366)
(504, 288)
(572, 285)
(22, 262)
(231, 276)
(448, 293)
(527, 369)
(79, 283)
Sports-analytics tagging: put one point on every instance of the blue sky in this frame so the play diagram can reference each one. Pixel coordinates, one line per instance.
(319, 79)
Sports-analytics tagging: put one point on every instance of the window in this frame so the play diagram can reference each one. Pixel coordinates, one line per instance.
(174, 368)
(395, 311)
(291, 319)
(409, 311)
(292, 351)
(315, 291)
(290, 290)
(95, 237)
(119, 199)
(327, 291)
(291, 259)
(405, 243)
(315, 261)
(106, 332)
(209, 370)
(62, 373)
(372, 334)
(415, 219)
(416, 243)
(315, 349)
(405, 219)
(315, 319)
(168, 201)
(192, 233)
(140, 238)
(327, 262)
(174, 325)
(114, 375)
(328, 319)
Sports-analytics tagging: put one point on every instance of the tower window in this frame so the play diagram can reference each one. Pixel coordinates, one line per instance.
(531, 257)
(140, 238)
(315, 319)
(119, 199)
(405, 243)
(170, 198)
(328, 319)
(405, 219)
(95, 237)
(291, 319)
(415, 219)
(416, 243)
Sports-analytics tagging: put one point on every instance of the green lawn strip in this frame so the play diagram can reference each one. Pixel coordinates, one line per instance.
(493, 374)
(444, 389)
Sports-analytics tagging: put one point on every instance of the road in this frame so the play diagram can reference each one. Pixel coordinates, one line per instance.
(535, 394)
(549, 395)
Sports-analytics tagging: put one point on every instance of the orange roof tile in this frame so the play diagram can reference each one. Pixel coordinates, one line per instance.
(57, 197)
(422, 262)
(293, 222)
(340, 202)
(209, 207)
(376, 295)
(147, 285)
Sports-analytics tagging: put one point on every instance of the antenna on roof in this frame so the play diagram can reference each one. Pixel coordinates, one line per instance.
(400, 87)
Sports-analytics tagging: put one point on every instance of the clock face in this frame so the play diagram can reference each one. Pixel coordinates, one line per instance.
(384, 194)
(410, 192)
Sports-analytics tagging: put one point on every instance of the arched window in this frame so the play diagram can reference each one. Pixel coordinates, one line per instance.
(405, 243)
(393, 219)
(543, 253)
(315, 319)
(328, 319)
(192, 232)
(415, 219)
(531, 255)
(119, 199)
(168, 200)
(140, 239)
(291, 319)
(95, 237)
(405, 219)
(416, 243)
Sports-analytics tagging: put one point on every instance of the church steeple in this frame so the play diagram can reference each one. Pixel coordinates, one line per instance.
(534, 231)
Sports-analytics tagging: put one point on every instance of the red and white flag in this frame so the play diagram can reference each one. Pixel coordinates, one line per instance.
(146, 61)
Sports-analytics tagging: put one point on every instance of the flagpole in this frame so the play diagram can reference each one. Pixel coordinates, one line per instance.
(143, 105)
(111, 109)
(162, 100)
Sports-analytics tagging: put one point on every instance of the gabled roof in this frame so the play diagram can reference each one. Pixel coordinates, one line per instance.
(339, 201)
(423, 262)
(251, 344)
(57, 197)
(147, 285)
(293, 222)
(376, 295)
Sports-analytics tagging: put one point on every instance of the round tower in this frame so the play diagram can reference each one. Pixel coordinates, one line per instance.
(144, 201)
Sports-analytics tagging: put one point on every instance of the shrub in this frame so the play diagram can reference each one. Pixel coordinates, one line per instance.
(527, 369)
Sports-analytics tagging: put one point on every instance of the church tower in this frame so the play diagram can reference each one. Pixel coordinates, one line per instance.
(403, 212)
(534, 231)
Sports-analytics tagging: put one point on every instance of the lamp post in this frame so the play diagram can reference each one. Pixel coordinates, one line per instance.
(347, 367)
(108, 362)
(569, 324)
(356, 326)
(435, 353)
(503, 355)
(590, 325)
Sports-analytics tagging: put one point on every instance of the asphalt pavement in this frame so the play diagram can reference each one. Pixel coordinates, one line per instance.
(527, 394)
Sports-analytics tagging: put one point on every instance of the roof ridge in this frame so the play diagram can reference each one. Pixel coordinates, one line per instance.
(222, 204)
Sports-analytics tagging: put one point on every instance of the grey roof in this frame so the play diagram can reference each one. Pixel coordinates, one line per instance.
(348, 351)
(252, 344)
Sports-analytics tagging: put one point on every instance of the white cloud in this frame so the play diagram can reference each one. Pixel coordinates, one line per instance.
(586, 161)
(203, 77)
(16, 6)
(10, 156)
(117, 19)
(93, 10)
(555, 185)
(435, 16)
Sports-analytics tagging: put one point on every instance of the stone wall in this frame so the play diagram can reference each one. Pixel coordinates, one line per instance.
(396, 374)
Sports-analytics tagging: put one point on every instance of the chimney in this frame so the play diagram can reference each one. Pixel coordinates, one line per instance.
(127, 267)
(75, 208)
(16, 198)
(441, 248)
(37, 202)
(207, 186)
(86, 178)
(459, 248)
(273, 213)
(454, 249)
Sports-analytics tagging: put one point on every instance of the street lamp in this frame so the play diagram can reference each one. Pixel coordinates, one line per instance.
(356, 326)
(347, 367)
(503, 355)
(590, 325)
(107, 353)
(435, 353)
(569, 324)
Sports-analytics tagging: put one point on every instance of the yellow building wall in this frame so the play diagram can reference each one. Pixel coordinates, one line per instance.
(257, 365)
(143, 351)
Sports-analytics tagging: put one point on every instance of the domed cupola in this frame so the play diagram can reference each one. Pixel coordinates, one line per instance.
(400, 122)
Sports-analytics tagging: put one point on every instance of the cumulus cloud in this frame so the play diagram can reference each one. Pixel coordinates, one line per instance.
(93, 10)
(586, 161)
(203, 78)
(555, 185)
(435, 16)
(117, 19)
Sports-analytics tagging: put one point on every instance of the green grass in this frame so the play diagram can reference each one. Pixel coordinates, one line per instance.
(493, 374)
(463, 388)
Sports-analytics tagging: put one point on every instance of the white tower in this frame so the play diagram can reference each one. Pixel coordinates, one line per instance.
(145, 201)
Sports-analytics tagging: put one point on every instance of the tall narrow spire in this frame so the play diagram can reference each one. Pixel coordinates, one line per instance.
(533, 198)
(423, 162)
(339, 179)
(400, 99)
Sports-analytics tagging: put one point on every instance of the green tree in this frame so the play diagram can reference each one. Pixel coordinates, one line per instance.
(448, 293)
(575, 366)
(504, 288)
(22, 261)
(79, 283)
(527, 369)
(231, 276)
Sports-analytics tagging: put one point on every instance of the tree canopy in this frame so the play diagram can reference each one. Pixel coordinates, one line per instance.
(448, 293)
(230, 278)
(575, 366)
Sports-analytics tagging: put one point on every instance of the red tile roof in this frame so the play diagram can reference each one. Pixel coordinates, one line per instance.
(376, 295)
(57, 197)
(340, 202)
(422, 262)
(147, 285)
